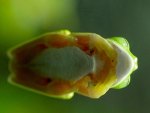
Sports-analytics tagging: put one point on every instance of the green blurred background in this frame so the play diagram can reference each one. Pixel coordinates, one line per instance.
(21, 20)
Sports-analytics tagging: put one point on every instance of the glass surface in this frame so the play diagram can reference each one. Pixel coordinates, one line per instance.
(22, 20)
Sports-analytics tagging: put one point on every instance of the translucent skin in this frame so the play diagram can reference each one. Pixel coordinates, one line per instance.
(94, 84)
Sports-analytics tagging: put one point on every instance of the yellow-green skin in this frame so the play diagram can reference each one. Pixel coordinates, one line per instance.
(93, 81)
(124, 46)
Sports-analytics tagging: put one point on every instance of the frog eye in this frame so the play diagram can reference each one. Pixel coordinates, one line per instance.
(122, 42)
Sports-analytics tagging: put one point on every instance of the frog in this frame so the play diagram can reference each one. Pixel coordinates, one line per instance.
(61, 63)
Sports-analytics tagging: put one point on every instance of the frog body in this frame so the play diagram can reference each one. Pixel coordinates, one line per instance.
(59, 64)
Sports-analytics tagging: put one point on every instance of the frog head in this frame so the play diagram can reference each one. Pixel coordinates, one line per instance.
(126, 61)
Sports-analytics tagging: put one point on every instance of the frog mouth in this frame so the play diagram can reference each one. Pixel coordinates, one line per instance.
(125, 64)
